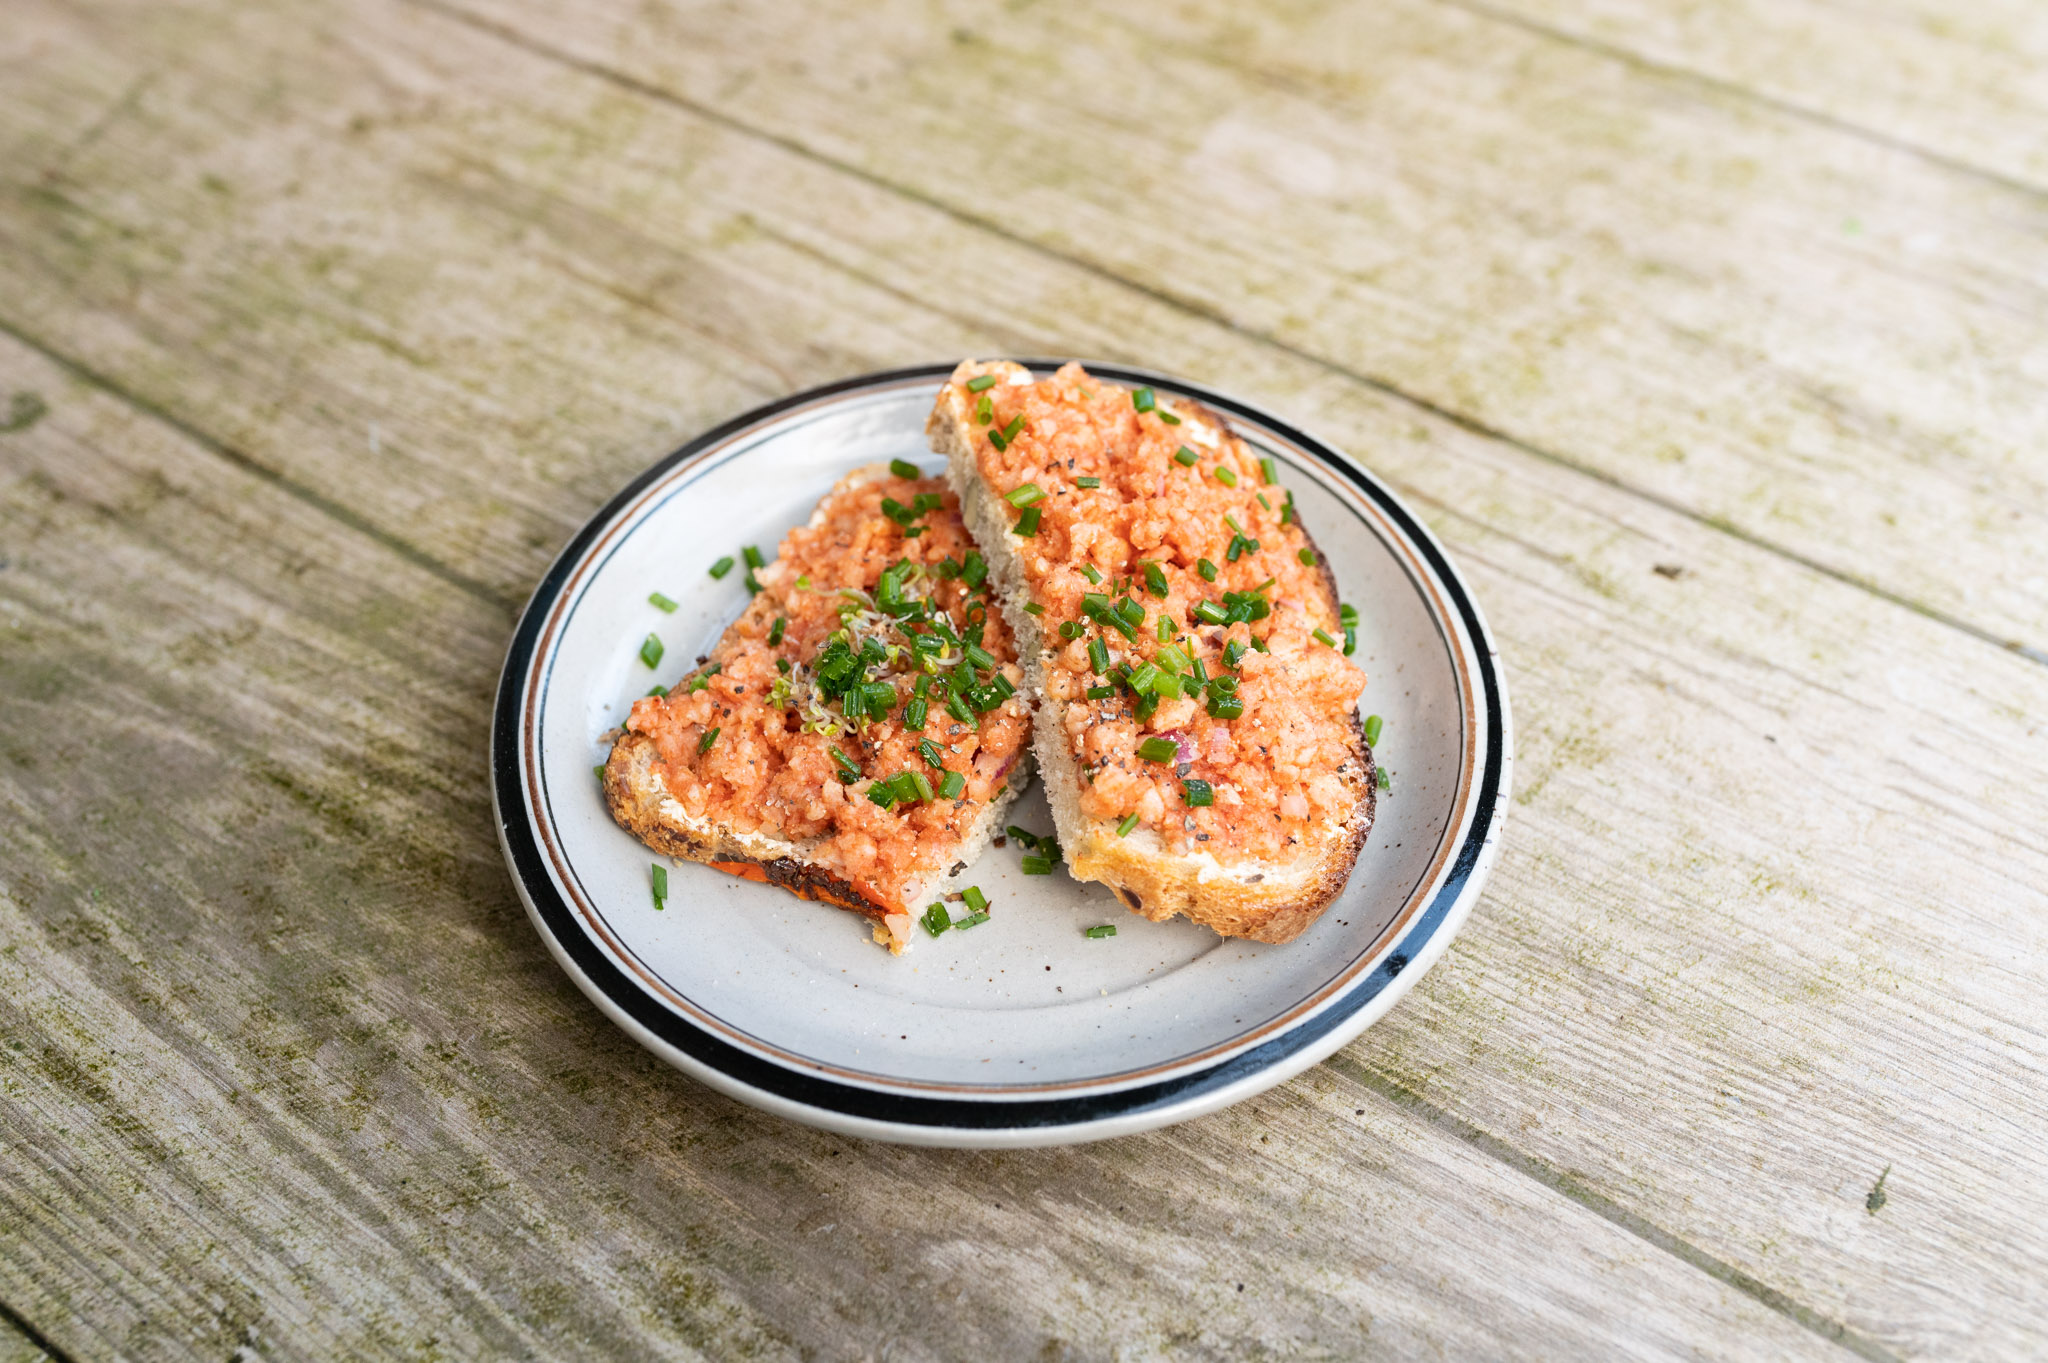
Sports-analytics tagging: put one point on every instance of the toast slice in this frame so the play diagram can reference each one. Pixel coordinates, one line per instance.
(857, 733)
(1219, 771)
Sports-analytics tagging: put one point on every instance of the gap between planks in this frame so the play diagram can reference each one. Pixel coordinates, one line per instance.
(1819, 118)
(12, 1320)
(1194, 308)
(1495, 1148)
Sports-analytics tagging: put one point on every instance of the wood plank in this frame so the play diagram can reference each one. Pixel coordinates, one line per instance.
(1602, 1003)
(16, 1347)
(289, 1073)
(1963, 83)
(1827, 344)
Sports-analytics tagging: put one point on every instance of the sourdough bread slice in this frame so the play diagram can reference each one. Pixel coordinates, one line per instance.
(767, 797)
(1292, 777)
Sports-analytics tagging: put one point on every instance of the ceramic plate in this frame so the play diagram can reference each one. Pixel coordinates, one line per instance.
(1023, 1031)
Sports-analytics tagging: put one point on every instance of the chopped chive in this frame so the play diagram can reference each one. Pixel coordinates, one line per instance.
(1158, 749)
(1322, 636)
(1167, 686)
(984, 409)
(1168, 417)
(1027, 523)
(1155, 579)
(1260, 644)
(981, 383)
(1207, 570)
(952, 785)
(1088, 570)
(1123, 830)
(1087, 482)
(657, 691)
(1287, 513)
(919, 786)
(710, 737)
(1233, 653)
(1071, 630)
(1186, 457)
(846, 764)
(599, 769)
(775, 630)
(1350, 642)
(1099, 692)
(1144, 400)
(1263, 586)
(1010, 431)
(1373, 725)
(1165, 630)
(914, 714)
(1199, 672)
(971, 920)
(980, 657)
(975, 899)
(1131, 611)
(721, 568)
(929, 751)
(753, 557)
(753, 586)
(1386, 782)
(1263, 502)
(998, 439)
(957, 708)
(936, 920)
(658, 876)
(1143, 677)
(1307, 556)
(661, 603)
(1347, 616)
(1023, 835)
(903, 468)
(1036, 866)
(1106, 930)
(975, 571)
(1197, 793)
(882, 793)
(1025, 495)
(1226, 476)
(1225, 707)
(803, 582)
(1235, 528)
(1033, 608)
(1269, 471)
(651, 651)
(1209, 613)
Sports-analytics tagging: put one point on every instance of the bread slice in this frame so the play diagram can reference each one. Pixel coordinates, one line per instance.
(1291, 777)
(781, 793)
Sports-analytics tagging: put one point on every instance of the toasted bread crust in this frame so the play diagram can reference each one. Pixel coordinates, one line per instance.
(1271, 906)
(634, 792)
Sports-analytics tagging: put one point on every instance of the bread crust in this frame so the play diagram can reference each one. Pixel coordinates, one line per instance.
(1268, 904)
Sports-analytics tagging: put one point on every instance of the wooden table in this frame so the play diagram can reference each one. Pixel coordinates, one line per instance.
(1713, 339)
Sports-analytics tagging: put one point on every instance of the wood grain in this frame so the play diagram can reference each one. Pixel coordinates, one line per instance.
(289, 1073)
(1961, 83)
(390, 327)
(1821, 342)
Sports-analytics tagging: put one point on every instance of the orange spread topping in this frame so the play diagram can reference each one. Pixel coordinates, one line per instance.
(1279, 769)
(771, 768)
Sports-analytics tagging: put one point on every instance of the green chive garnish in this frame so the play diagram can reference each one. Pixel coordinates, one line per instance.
(1260, 644)
(721, 568)
(920, 787)
(980, 657)
(1144, 400)
(599, 769)
(846, 764)
(1226, 476)
(929, 751)
(803, 582)
(1088, 571)
(952, 785)
(1036, 866)
(1373, 725)
(914, 714)
(658, 691)
(1386, 781)
(1262, 500)
(1225, 707)
(882, 793)
(659, 876)
(981, 383)
(1197, 793)
(1165, 627)
(1307, 557)
(1269, 471)
(1123, 830)
(1186, 457)
(1155, 579)
(936, 920)
(1168, 417)
(775, 630)
(704, 743)
(975, 900)
(1209, 613)
(1025, 495)
(1027, 523)
(651, 651)
(984, 409)
(1087, 482)
(1322, 637)
(753, 557)
(903, 468)
(957, 708)
(1033, 608)
(1010, 431)
(661, 603)
(1141, 680)
(1207, 570)
(1233, 653)
(1106, 930)
(1157, 749)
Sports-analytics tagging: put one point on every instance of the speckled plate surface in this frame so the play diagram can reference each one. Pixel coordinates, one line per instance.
(1022, 1031)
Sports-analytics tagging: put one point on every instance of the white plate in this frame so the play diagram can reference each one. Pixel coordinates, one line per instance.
(1022, 1031)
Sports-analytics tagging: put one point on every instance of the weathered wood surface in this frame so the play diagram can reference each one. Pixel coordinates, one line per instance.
(363, 309)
